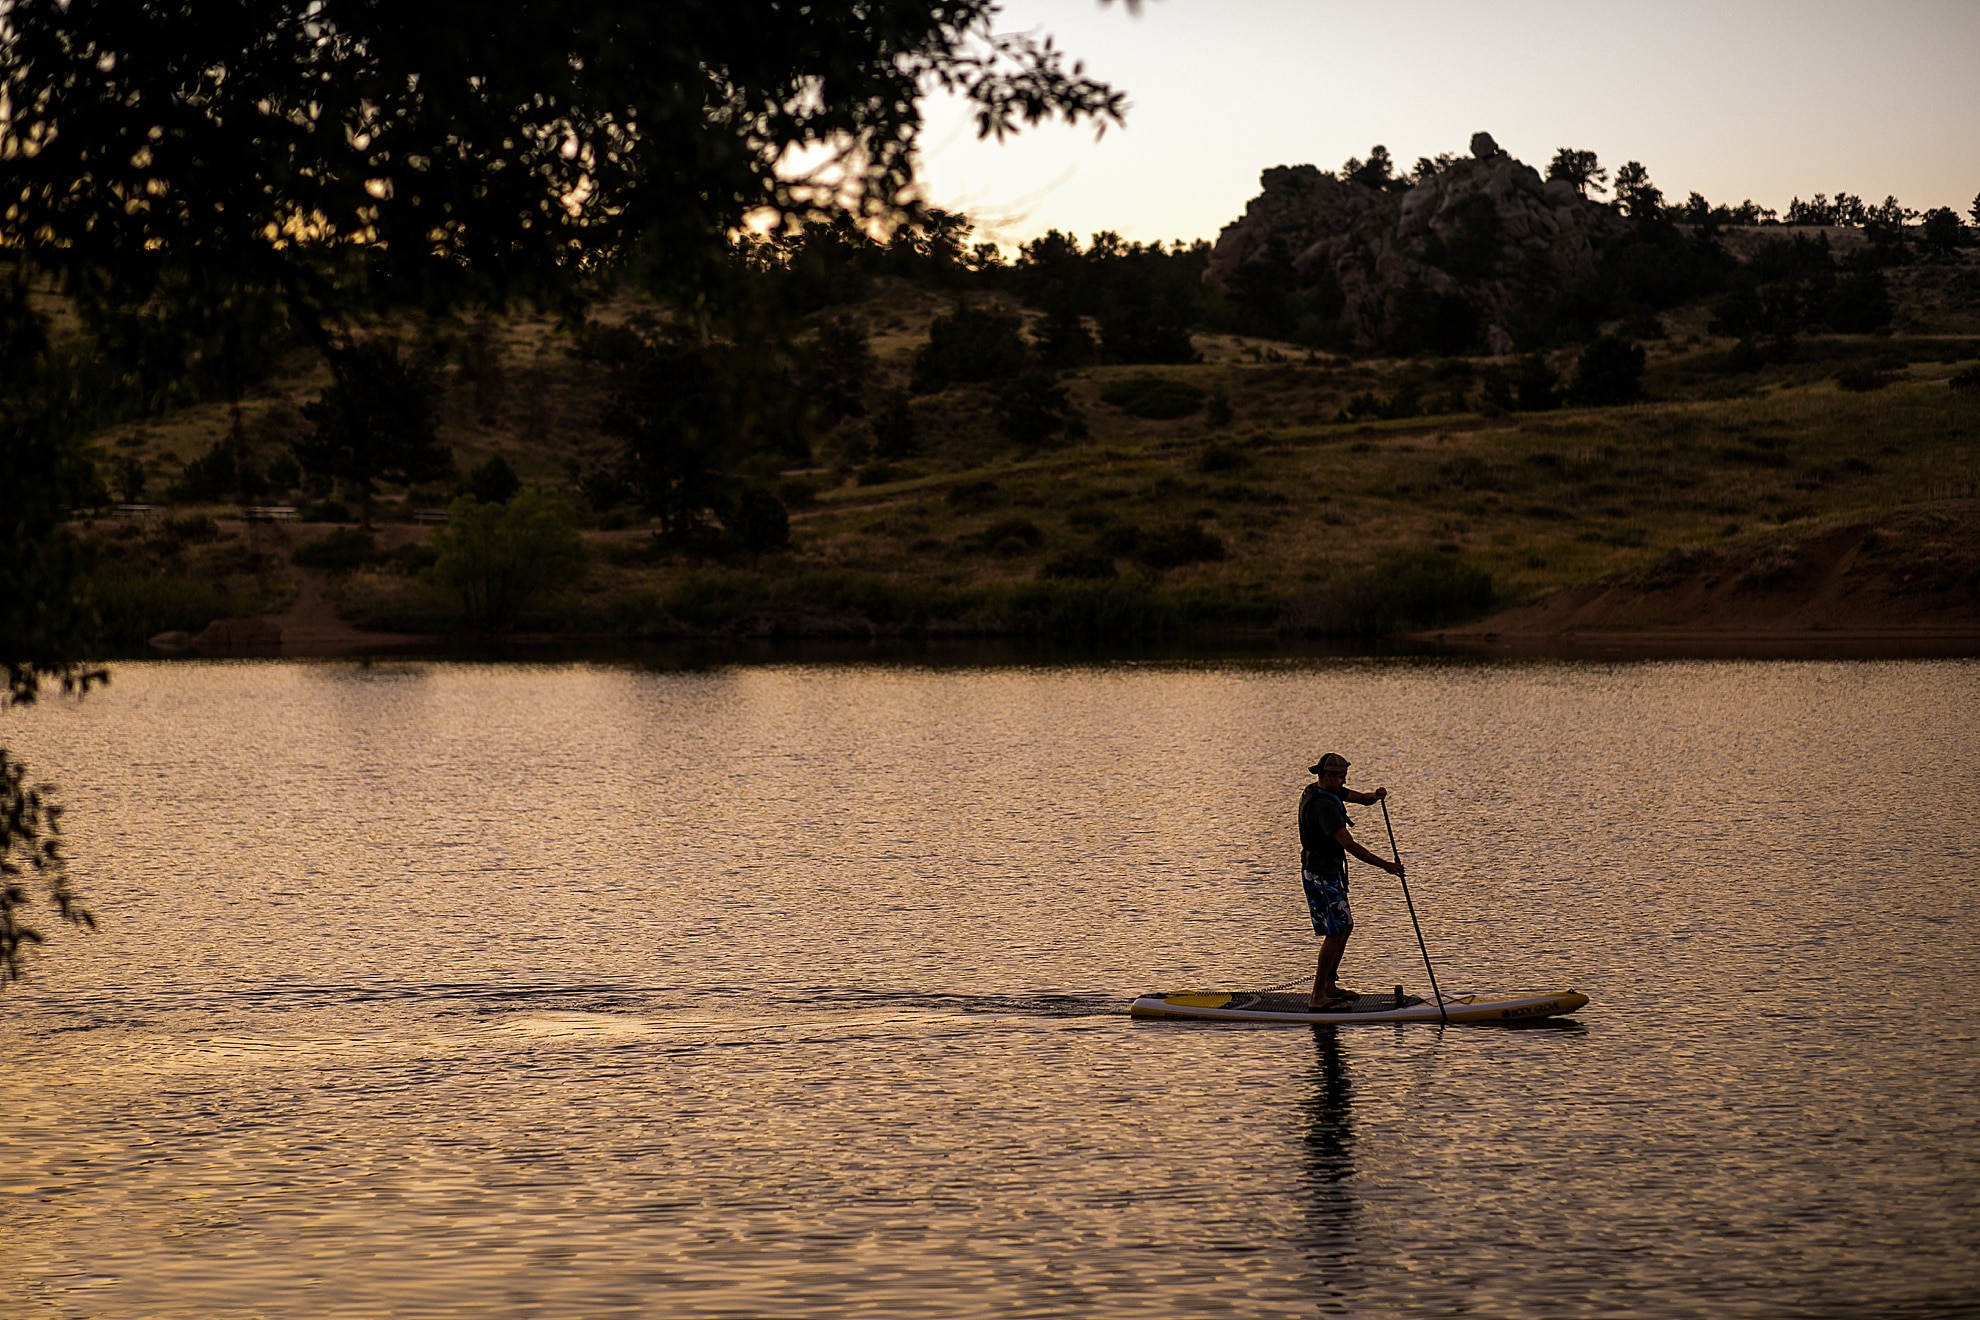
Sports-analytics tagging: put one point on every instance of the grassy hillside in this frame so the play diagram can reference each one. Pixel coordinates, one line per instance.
(1281, 499)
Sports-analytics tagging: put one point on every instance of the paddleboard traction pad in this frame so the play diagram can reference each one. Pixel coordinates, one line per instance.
(1265, 1006)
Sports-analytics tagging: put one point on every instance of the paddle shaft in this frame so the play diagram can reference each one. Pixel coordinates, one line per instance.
(1396, 853)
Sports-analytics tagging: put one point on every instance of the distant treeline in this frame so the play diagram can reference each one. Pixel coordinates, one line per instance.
(1115, 301)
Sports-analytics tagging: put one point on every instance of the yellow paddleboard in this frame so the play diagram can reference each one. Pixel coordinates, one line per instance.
(1500, 1007)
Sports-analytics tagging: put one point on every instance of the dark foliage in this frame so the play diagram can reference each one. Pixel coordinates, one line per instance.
(1158, 398)
(1609, 371)
(375, 423)
(1032, 410)
(1008, 536)
(493, 482)
(1533, 386)
(456, 162)
(1940, 229)
(1177, 545)
(1143, 335)
(1861, 378)
(1405, 400)
(1378, 171)
(1426, 320)
(1402, 592)
(1579, 168)
(1220, 458)
(834, 261)
(1061, 338)
(325, 511)
(1651, 267)
(896, 430)
(215, 475)
(841, 369)
(690, 413)
(759, 522)
(339, 551)
(500, 559)
(1796, 284)
(1144, 297)
(971, 345)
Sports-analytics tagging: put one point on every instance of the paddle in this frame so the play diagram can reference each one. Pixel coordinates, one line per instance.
(1395, 852)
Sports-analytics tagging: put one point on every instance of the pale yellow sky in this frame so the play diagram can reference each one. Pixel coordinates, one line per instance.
(1734, 99)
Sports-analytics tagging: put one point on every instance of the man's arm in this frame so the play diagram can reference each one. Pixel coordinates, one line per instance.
(1346, 840)
(1365, 799)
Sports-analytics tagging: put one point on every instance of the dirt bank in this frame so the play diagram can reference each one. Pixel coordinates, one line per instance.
(1903, 583)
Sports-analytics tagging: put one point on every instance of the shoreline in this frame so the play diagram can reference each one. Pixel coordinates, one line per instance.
(348, 643)
(1708, 644)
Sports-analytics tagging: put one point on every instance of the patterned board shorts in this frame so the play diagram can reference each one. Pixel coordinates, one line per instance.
(1327, 897)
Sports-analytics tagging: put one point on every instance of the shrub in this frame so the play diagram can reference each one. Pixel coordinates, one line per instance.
(1610, 371)
(1140, 336)
(1860, 379)
(135, 604)
(339, 551)
(1032, 409)
(1220, 458)
(1157, 398)
(494, 482)
(194, 529)
(1533, 387)
(1172, 547)
(797, 493)
(971, 344)
(760, 523)
(1078, 566)
(1402, 592)
(1022, 532)
(896, 431)
(1859, 303)
(501, 558)
(212, 476)
(1966, 382)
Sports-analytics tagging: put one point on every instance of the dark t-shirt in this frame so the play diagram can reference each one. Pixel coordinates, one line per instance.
(1320, 815)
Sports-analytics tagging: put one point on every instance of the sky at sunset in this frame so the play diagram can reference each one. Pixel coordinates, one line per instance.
(1734, 100)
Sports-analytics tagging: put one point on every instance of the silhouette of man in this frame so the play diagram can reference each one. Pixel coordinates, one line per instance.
(1324, 843)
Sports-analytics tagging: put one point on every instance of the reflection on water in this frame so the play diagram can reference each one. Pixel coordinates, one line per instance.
(1332, 1210)
(459, 990)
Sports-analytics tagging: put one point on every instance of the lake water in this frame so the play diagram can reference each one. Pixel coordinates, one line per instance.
(799, 990)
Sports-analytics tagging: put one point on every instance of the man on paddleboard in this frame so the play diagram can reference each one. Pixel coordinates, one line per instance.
(1324, 843)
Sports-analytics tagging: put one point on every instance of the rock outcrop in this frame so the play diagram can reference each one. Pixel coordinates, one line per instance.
(1465, 257)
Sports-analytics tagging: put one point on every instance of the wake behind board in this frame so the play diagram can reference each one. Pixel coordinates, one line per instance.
(1248, 1006)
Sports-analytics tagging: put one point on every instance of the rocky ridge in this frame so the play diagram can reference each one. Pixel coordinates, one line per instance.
(1459, 258)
